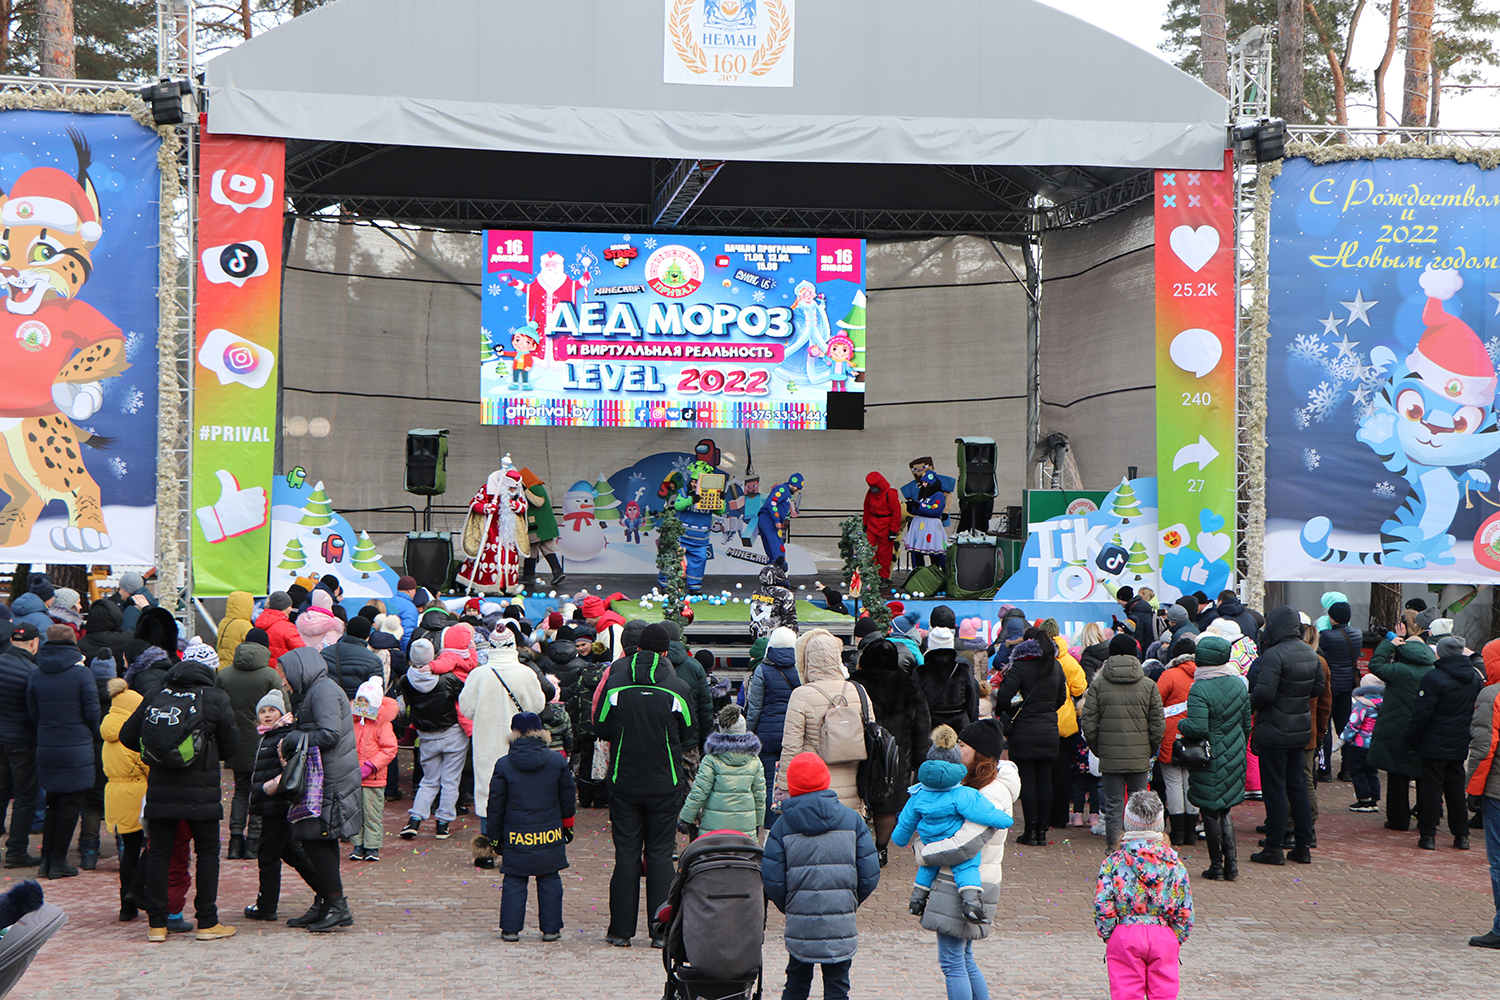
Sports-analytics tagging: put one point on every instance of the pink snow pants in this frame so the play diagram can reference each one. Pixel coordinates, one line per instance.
(1252, 771)
(1142, 962)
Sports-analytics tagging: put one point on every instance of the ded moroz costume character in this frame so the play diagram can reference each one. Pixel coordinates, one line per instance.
(494, 537)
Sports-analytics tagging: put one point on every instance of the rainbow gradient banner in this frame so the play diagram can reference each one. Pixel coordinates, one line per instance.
(240, 208)
(1195, 379)
(685, 331)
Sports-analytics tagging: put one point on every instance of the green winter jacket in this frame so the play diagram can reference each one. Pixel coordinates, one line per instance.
(691, 673)
(1218, 707)
(1402, 668)
(729, 792)
(1123, 722)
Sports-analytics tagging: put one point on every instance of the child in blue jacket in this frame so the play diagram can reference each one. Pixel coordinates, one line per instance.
(937, 808)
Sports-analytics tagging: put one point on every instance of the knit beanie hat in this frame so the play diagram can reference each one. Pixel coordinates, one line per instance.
(986, 736)
(66, 597)
(1125, 593)
(758, 651)
(902, 624)
(1143, 811)
(369, 613)
(782, 637)
(1182, 647)
(806, 773)
(944, 745)
(202, 653)
(390, 625)
(1212, 651)
(421, 653)
(1440, 627)
(967, 629)
(1177, 615)
(943, 617)
(1121, 645)
(655, 639)
(563, 634)
(1426, 618)
(407, 583)
(1189, 604)
(526, 722)
(279, 601)
(1450, 645)
(1050, 626)
(1338, 613)
(940, 637)
(731, 719)
(42, 587)
(1228, 629)
(64, 634)
(132, 583)
(865, 626)
(259, 637)
(368, 698)
(705, 659)
(322, 599)
(271, 699)
(359, 627)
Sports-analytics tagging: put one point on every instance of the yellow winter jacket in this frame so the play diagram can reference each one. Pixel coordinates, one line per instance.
(126, 789)
(1067, 718)
(238, 611)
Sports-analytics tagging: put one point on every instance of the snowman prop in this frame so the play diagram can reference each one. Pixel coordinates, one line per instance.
(582, 535)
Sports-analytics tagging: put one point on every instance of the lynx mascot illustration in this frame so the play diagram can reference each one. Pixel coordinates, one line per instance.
(55, 352)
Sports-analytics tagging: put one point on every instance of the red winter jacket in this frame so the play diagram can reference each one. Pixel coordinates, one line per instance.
(882, 508)
(459, 657)
(376, 742)
(283, 634)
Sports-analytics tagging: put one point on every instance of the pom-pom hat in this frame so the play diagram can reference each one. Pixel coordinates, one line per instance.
(1450, 357)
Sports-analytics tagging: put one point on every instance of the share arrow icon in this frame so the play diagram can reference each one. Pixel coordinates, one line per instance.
(1202, 453)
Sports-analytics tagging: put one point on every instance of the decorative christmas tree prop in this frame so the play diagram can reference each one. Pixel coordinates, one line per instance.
(365, 558)
(606, 504)
(853, 324)
(1140, 562)
(1125, 506)
(859, 562)
(292, 557)
(851, 533)
(318, 512)
(669, 558)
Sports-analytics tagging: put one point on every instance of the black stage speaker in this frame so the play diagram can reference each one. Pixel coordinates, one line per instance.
(427, 462)
(846, 411)
(428, 556)
(975, 567)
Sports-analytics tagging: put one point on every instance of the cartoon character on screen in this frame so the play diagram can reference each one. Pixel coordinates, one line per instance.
(840, 362)
(803, 357)
(494, 535)
(679, 491)
(1434, 417)
(523, 342)
(544, 294)
(749, 508)
(732, 520)
(775, 518)
(631, 522)
(55, 352)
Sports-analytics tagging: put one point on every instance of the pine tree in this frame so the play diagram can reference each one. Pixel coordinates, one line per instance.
(292, 557)
(318, 512)
(669, 556)
(1140, 562)
(606, 504)
(365, 558)
(1125, 505)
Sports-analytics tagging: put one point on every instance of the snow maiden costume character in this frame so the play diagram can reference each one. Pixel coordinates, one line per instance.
(494, 535)
(1433, 418)
(926, 534)
(803, 357)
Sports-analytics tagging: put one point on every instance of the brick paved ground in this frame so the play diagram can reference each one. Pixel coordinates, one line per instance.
(1372, 917)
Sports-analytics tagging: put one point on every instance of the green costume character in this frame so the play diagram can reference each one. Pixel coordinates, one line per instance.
(541, 525)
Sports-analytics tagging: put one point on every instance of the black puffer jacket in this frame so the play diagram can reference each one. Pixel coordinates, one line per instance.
(1440, 718)
(103, 631)
(433, 704)
(190, 792)
(1092, 659)
(1043, 689)
(16, 727)
(563, 662)
(1289, 676)
(430, 627)
(1242, 616)
(691, 673)
(647, 719)
(948, 683)
(898, 704)
(267, 766)
(1340, 646)
(324, 714)
(350, 663)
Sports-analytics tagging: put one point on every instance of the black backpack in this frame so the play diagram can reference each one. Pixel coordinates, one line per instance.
(174, 731)
(884, 768)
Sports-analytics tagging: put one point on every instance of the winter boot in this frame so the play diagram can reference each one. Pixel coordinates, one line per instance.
(44, 865)
(259, 911)
(59, 868)
(918, 904)
(338, 915)
(252, 848)
(1215, 870)
(1174, 832)
(236, 850)
(528, 569)
(1269, 856)
(972, 904)
(317, 911)
(88, 855)
(1190, 829)
(1226, 833)
(555, 562)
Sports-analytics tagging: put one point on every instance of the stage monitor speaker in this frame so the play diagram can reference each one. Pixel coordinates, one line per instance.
(428, 556)
(978, 457)
(846, 411)
(427, 462)
(976, 567)
(1012, 522)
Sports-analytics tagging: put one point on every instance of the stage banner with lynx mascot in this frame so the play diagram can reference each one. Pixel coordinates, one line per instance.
(78, 355)
(240, 205)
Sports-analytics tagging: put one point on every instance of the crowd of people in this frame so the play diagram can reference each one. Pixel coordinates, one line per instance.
(1148, 733)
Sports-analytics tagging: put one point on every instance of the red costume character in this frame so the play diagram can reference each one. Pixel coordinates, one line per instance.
(494, 537)
(882, 521)
(550, 289)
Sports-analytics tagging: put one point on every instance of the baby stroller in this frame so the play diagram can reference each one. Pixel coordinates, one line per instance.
(714, 920)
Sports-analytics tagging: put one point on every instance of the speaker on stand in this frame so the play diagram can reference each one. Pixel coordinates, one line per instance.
(428, 554)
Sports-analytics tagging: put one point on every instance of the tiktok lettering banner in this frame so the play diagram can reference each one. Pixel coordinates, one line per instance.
(240, 206)
(600, 330)
(1384, 291)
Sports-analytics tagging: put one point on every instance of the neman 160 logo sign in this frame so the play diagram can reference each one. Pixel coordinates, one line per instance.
(732, 43)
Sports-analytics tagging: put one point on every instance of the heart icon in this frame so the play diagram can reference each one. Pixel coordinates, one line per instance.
(1209, 521)
(1213, 546)
(1195, 247)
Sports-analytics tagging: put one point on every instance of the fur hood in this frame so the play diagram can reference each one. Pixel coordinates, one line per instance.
(726, 743)
(314, 623)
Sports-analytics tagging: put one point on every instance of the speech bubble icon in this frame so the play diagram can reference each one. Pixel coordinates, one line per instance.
(1196, 351)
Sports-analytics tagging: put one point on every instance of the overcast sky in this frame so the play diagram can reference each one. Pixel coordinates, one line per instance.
(1139, 21)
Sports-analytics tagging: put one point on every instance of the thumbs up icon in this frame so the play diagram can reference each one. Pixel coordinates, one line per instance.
(237, 511)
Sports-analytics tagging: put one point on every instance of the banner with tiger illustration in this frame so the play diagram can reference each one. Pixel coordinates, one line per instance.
(79, 272)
